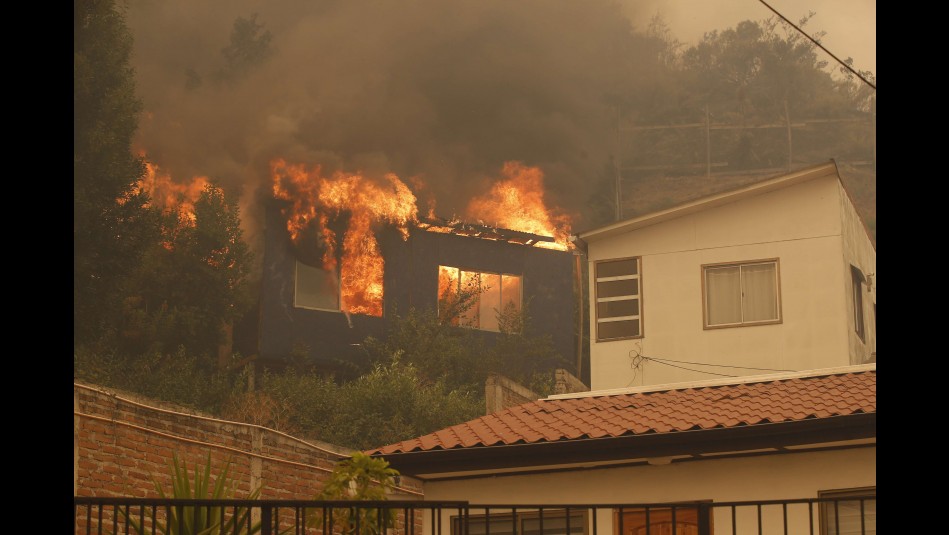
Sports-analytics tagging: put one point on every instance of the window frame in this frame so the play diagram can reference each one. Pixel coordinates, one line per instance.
(823, 515)
(296, 279)
(632, 514)
(858, 280)
(500, 274)
(639, 296)
(777, 293)
(518, 518)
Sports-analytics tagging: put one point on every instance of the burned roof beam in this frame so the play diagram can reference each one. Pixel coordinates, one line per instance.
(486, 232)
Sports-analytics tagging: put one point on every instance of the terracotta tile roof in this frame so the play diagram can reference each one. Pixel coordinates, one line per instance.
(664, 411)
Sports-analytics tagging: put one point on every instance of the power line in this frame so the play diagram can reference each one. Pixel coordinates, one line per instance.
(637, 365)
(848, 67)
(718, 365)
(689, 369)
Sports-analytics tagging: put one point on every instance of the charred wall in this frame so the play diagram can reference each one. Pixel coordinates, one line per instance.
(332, 340)
(412, 276)
(328, 339)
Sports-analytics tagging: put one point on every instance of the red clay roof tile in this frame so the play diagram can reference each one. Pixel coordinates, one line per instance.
(666, 411)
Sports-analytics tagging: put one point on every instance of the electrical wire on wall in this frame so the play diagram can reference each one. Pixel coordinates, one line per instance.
(638, 361)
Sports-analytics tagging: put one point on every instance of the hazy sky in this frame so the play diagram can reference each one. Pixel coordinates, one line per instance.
(850, 24)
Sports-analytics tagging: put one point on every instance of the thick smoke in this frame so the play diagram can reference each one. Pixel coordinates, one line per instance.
(438, 92)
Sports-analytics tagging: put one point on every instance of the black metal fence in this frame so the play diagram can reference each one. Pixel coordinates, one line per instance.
(138, 516)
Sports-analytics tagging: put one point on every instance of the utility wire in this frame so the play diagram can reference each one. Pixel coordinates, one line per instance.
(639, 358)
(689, 369)
(718, 365)
(848, 67)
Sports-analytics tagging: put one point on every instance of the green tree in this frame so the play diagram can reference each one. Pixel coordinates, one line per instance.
(250, 45)
(360, 477)
(523, 355)
(758, 72)
(177, 376)
(192, 282)
(437, 349)
(755, 73)
(395, 402)
(444, 349)
(112, 226)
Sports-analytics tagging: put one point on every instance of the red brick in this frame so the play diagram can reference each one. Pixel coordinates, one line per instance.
(88, 465)
(114, 470)
(125, 442)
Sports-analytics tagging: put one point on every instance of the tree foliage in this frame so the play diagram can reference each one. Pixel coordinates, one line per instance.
(394, 402)
(250, 45)
(192, 282)
(112, 227)
(177, 376)
(443, 347)
(391, 402)
(359, 477)
(753, 78)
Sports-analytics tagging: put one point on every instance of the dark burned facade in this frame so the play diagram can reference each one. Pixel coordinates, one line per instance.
(297, 317)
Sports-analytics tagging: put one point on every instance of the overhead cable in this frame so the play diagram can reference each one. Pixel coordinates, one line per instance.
(719, 365)
(848, 67)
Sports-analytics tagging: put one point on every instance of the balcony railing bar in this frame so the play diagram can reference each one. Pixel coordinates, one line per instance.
(127, 515)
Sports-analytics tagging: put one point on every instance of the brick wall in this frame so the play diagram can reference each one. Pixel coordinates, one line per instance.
(122, 441)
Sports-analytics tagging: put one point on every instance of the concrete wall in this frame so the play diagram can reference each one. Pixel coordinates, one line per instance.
(770, 477)
(501, 392)
(800, 225)
(122, 442)
(567, 383)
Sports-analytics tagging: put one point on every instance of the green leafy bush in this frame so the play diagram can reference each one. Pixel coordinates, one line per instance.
(360, 477)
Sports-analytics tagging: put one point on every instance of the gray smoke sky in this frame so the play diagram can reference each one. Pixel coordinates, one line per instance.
(445, 91)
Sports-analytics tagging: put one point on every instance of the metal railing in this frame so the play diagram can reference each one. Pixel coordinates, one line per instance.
(138, 516)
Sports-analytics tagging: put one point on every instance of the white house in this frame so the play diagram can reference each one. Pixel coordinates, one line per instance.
(779, 275)
(733, 367)
(704, 446)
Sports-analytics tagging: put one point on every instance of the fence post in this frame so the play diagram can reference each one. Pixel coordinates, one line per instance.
(618, 164)
(787, 118)
(708, 144)
(873, 131)
(705, 526)
(266, 520)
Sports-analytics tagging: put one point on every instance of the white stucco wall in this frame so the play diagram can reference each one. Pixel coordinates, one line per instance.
(858, 251)
(772, 477)
(800, 225)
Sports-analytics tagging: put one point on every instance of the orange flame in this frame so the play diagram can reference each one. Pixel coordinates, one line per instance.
(317, 200)
(168, 195)
(517, 203)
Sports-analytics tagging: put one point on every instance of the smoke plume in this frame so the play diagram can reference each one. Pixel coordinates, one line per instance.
(439, 93)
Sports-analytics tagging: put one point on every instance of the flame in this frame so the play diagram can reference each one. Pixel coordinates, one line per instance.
(517, 203)
(168, 195)
(448, 294)
(317, 201)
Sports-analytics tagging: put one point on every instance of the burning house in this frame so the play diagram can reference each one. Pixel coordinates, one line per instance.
(344, 255)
